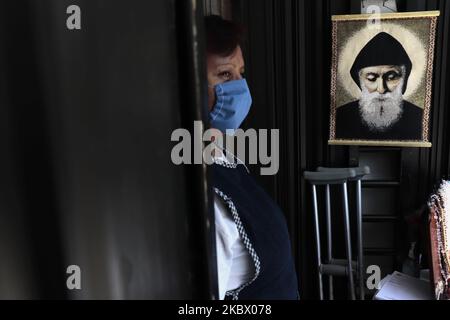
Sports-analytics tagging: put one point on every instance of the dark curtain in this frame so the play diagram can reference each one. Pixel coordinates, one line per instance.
(86, 176)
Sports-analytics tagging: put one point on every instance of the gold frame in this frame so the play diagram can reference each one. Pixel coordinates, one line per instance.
(371, 143)
(390, 16)
(336, 19)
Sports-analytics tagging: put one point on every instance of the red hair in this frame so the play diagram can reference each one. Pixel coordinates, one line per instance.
(222, 36)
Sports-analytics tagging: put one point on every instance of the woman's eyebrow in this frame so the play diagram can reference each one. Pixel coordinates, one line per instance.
(226, 64)
(230, 64)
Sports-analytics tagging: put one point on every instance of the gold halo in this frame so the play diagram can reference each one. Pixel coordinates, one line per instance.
(409, 40)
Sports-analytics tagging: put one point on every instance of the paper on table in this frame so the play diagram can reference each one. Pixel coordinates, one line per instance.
(400, 286)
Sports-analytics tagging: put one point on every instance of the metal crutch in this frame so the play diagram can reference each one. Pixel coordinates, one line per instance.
(333, 267)
(361, 172)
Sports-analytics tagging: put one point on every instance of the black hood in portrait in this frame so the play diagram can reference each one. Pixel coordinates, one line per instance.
(383, 49)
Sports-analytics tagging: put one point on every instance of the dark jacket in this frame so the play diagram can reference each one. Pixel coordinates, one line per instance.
(263, 228)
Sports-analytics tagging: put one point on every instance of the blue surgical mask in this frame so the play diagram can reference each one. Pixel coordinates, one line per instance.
(232, 106)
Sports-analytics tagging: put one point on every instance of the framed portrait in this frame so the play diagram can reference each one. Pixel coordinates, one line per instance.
(381, 79)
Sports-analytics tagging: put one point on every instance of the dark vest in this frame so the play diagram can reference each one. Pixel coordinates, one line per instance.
(262, 226)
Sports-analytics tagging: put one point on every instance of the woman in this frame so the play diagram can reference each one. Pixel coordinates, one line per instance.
(253, 248)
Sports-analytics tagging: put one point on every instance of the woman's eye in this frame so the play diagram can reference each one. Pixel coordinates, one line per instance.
(225, 75)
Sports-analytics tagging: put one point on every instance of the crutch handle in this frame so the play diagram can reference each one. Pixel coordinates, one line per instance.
(359, 171)
(322, 178)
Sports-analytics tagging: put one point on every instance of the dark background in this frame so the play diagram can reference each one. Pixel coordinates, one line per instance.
(85, 122)
(288, 53)
(86, 175)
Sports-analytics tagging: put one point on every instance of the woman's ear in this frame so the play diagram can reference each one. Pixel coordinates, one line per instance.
(211, 98)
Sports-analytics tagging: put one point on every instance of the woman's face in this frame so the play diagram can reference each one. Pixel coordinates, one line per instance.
(223, 69)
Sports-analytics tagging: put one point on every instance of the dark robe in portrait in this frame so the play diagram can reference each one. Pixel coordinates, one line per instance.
(350, 125)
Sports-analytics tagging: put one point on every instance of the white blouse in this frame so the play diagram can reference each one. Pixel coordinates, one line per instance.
(234, 264)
